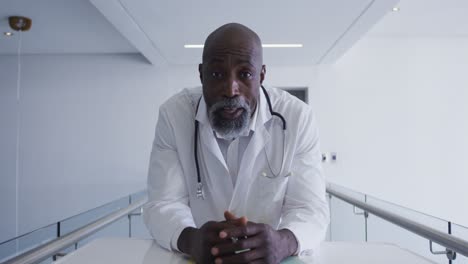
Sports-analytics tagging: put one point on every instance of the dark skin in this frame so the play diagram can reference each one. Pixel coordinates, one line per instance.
(266, 244)
(198, 242)
(233, 67)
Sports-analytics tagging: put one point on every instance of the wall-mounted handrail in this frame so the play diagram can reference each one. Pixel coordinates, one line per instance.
(44, 251)
(448, 241)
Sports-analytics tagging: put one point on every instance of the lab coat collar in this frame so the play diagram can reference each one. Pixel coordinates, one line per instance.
(202, 114)
(264, 114)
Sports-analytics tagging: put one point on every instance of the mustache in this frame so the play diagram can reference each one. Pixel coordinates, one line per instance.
(236, 102)
(225, 127)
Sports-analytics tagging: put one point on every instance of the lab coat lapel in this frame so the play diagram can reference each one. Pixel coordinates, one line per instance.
(210, 144)
(215, 172)
(245, 176)
(256, 145)
(217, 177)
(206, 134)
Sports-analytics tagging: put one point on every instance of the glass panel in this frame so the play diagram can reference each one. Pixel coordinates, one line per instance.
(116, 229)
(7, 250)
(345, 225)
(461, 232)
(138, 196)
(78, 221)
(27, 242)
(139, 229)
(328, 236)
(380, 230)
(119, 228)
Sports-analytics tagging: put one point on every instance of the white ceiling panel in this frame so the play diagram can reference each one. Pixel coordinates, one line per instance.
(425, 18)
(158, 29)
(61, 26)
(315, 23)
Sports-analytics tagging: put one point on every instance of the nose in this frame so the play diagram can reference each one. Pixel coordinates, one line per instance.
(232, 87)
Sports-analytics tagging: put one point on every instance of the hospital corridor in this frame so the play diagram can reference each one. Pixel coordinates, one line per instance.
(177, 131)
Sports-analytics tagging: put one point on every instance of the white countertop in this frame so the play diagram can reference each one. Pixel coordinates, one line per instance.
(140, 251)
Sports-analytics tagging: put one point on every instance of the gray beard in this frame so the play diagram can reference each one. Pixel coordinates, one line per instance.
(226, 128)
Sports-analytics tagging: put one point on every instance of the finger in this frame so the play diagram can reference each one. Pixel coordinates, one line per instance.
(218, 226)
(212, 232)
(244, 257)
(250, 229)
(232, 218)
(229, 216)
(242, 244)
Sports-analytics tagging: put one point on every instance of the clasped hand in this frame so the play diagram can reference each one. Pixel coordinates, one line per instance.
(236, 240)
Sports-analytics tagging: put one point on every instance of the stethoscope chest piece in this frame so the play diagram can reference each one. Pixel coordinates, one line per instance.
(200, 192)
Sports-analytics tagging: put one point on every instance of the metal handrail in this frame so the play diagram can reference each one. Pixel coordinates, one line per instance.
(42, 252)
(63, 220)
(448, 241)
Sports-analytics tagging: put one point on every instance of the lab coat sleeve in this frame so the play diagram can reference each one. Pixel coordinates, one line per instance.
(167, 212)
(305, 209)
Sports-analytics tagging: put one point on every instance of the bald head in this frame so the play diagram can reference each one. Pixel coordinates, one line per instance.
(232, 37)
(231, 74)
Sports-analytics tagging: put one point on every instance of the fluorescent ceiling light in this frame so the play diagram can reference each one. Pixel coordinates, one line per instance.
(200, 46)
(193, 46)
(396, 9)
(282, 45)
(8, 34)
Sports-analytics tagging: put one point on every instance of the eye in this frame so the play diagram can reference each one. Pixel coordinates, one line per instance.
(217, 75)
(246, 75)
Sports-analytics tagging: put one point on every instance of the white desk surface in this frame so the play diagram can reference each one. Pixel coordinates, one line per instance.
(140, 251)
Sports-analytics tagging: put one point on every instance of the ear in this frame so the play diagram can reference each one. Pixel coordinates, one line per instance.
(262, 74)
(200, 71)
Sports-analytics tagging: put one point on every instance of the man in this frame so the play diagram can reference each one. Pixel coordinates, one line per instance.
(229, 180)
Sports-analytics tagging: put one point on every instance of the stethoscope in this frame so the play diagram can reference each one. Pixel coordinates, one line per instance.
(200, 192)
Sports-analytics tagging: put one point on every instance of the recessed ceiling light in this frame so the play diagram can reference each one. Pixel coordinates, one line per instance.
(200, 46)
(396, 9)
(8, 34)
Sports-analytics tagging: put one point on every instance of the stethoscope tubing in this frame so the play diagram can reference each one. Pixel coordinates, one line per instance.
(200, 193)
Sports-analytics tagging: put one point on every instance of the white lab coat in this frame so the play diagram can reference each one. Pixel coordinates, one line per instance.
(295, 200)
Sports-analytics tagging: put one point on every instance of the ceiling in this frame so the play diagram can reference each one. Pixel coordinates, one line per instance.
(158, 29)
(425, 19)
(61, 27)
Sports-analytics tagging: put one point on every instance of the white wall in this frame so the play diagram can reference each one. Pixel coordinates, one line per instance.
(395, 111)
(8, 111)
(87, 125)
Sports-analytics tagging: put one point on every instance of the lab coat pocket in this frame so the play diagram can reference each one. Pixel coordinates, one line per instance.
(268, 196)
(271, 188)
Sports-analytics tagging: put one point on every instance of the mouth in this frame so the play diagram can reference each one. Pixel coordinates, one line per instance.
(231, 113)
